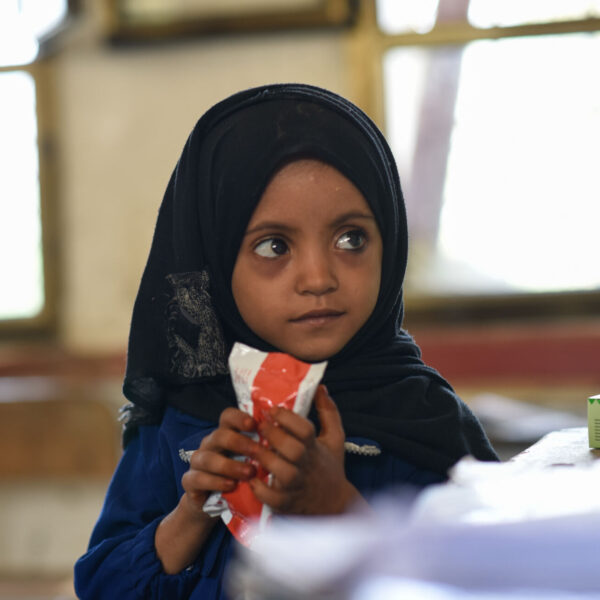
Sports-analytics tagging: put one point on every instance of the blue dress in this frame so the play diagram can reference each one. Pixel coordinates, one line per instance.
(121, 561)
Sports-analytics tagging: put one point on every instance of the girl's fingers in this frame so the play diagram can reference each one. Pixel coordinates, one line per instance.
(228, 440)
(217, 464)
(286, 445)
(284, 472)
(234, 418)
(211, 466)
(298, 426)
(332, 430)
(230, 435)
(272, 497)
(294, 456)
(198, 483)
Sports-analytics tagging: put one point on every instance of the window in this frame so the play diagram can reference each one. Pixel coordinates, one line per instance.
(20, 224)
(24, 300)
(492, 109)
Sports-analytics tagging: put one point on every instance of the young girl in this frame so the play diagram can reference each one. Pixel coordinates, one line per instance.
(283, 227)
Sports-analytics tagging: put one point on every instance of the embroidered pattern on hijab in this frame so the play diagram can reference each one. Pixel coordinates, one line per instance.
(193, 332)
(185, 318)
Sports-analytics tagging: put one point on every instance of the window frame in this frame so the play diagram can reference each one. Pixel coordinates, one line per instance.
(367, 49)
(138, 26)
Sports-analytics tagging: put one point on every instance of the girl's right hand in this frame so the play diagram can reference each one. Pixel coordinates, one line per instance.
(182, 533)
(211, 467)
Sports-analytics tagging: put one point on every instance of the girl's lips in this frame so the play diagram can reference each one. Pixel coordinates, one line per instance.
(318, 317)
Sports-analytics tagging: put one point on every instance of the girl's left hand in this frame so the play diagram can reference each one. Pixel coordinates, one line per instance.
(307, 470)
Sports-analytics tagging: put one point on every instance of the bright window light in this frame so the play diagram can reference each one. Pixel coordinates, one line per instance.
(402, 16)
(395, 16)
(21, 263)
(519, 195)
(22, 24)
(494, 13)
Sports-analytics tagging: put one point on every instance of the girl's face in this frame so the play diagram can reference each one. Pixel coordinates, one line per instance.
(309, 267)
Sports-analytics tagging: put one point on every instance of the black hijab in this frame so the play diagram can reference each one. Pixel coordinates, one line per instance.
(185, 319)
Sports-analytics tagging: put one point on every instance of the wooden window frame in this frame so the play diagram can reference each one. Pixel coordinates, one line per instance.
(121, 27)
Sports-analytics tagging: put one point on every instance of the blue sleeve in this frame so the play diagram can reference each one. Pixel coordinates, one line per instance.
(121, 561)
(382, 472)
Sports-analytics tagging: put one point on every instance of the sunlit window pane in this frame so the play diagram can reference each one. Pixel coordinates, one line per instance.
(21, 266)
(498, 144)
(492, 13)
(396, 16)
(22, 24)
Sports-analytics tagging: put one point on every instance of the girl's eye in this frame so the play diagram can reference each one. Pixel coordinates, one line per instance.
(351, 240)
(271, 248)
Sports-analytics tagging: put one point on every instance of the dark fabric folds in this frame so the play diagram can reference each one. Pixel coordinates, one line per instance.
(185, 319)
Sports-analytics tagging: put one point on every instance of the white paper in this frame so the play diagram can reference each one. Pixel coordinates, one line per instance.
(495, 531)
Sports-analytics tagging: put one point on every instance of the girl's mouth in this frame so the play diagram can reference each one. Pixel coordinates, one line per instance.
(318, 317)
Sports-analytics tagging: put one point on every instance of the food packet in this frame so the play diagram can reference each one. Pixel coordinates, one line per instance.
(261, 380)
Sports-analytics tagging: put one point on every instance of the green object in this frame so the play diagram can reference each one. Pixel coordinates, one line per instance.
(594, 421)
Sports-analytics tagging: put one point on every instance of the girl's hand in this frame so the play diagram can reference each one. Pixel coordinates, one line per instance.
(182, 533)
(308, 471)
(211, 468)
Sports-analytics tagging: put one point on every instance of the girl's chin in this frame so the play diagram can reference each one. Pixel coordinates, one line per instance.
(312, 355)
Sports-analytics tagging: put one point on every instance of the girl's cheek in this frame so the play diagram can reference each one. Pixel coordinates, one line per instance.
(268, 268)
(364, 264)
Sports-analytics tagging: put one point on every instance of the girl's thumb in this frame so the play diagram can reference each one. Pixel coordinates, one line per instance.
(332, 430)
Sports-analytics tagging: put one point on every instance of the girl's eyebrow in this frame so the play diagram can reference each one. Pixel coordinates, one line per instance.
(276, 225)
(270, 226)
(349, 216)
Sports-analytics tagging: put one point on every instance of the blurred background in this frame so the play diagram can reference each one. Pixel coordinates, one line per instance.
(492, 108)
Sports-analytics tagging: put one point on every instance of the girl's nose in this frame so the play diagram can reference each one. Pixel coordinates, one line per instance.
(316, 275)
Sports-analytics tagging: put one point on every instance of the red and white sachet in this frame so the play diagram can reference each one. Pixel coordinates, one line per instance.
(262, 380)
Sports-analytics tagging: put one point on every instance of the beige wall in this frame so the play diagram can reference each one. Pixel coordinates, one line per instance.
(123, 117)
